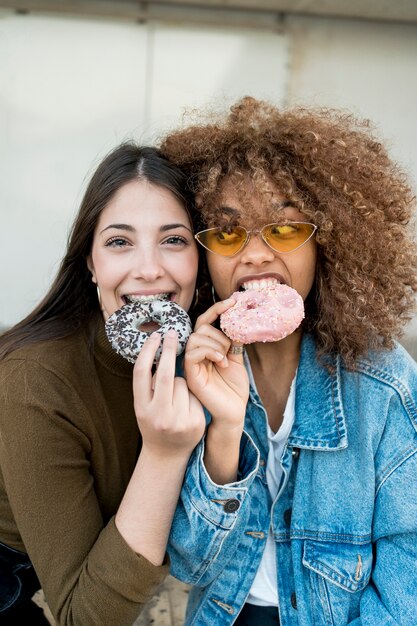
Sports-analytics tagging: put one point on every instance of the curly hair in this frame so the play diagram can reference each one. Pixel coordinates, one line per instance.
(337, 172)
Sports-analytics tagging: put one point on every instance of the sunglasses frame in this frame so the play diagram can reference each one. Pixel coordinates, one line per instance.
(259, 231)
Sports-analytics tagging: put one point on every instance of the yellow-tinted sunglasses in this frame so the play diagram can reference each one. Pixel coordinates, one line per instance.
(282, 238)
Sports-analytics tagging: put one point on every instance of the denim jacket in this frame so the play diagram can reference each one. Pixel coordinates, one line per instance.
(345, 517)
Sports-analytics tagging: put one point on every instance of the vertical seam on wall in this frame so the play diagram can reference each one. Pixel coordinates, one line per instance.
(289, 44)
(149, 70)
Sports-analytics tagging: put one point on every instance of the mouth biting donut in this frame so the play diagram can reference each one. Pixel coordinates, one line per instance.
(123, 326)
(267, 314)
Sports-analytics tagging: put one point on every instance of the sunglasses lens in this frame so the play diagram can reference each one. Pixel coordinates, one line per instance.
(225, 242)
(287, 237)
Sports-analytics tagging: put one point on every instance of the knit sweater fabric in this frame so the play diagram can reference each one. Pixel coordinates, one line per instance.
(69, 441)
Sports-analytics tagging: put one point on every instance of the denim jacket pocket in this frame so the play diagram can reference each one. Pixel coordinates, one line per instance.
(347, 566)
(338, 574)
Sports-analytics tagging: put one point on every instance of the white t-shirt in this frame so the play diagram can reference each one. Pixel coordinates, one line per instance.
(264, 587)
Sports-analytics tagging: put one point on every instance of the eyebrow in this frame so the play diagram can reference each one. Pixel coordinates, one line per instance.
(234, 212)
(288, 203)
(130, 228)
(228, 210)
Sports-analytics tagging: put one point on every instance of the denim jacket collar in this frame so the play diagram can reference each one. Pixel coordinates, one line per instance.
(320, 421)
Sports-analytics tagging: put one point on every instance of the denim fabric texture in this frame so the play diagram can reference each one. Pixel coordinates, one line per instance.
(344, 520)
(18, 581)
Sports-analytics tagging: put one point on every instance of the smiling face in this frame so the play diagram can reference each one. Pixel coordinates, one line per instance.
(143, 246)
(257, 264)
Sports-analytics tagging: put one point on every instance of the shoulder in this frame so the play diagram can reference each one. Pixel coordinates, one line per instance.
(52, 383)
(381, 380)
(389, 381)
(59, 358)
(395, 368)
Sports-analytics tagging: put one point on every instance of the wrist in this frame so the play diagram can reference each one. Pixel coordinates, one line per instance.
(222, 441)
(164, 458)
(221, 454)
(220, 430)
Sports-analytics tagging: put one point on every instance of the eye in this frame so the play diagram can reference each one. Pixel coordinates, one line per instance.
(176, 240)
(229, 236)
(285, 231)
(116, 242)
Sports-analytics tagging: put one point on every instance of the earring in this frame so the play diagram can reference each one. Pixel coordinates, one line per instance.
(99, 297)
(213, 294)
(196, 296)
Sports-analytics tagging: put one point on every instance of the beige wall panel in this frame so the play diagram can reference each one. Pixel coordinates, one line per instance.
(210, 68)
(69, 90)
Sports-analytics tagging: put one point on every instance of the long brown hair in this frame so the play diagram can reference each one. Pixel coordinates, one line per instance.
(72, 302)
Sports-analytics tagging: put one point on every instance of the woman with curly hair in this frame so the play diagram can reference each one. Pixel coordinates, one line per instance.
(300, 505)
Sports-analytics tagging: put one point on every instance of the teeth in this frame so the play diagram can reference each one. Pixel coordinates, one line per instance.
(265, 283)
(148, 298)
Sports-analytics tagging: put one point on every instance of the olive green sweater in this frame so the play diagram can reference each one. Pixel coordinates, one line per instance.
(69, 441)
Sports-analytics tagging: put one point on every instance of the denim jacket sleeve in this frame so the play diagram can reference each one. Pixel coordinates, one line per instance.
(206, 514)
(391, 597)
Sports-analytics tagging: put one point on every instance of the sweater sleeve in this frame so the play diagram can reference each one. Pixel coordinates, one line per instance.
(88, 573)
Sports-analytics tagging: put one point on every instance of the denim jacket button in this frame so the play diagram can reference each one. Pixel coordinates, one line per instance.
(294, 601)
(231, 506)
(287, 517)
(295, 453)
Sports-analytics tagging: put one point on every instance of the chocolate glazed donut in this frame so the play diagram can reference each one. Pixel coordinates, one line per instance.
(123, 327)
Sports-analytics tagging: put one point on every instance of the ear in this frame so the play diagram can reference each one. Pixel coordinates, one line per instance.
(90, 266)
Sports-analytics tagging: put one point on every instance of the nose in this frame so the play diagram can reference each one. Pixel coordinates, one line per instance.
(147, 264)
(256, 251)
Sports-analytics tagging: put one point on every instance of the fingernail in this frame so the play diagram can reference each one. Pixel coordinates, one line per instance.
(172, 333)
(219, 355)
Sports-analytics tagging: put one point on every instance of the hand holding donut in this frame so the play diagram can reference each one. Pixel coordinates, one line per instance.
(215, 372)
(170, 418)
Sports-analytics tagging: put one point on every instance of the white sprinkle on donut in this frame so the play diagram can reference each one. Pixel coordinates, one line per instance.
(123, 327)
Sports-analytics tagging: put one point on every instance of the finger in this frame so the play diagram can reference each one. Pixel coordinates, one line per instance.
(142, 371)
(206, 331)
(189, 411)
(204, 353)
(214, 338)
(213, 312)
(165, 373)
(204, 347)
(196, 407)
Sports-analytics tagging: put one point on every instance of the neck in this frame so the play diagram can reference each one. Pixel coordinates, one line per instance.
(284, 353)
(273, 367)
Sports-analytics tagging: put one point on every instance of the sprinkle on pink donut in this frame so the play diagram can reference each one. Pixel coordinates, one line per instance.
(268, 314)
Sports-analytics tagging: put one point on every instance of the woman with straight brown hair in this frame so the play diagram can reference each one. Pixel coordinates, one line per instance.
(93, 449)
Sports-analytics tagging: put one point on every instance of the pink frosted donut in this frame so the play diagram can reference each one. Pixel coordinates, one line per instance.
(268, 314)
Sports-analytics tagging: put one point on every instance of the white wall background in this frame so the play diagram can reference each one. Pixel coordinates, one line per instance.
(72, 88)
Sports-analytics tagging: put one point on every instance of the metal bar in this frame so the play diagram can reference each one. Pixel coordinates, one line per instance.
(250, 13)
